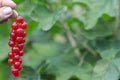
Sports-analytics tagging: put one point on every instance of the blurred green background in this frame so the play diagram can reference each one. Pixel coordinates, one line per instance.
(66, 40)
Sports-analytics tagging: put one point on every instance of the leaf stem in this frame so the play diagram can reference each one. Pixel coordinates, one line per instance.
(71, 40)
(89, 49)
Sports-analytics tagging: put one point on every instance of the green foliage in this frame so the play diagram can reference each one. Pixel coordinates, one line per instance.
(106, 70)
(96, 10)
(45, 17)
(58, 31)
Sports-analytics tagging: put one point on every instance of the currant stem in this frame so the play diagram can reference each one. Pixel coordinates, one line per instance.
(15, 13)
(72, 41)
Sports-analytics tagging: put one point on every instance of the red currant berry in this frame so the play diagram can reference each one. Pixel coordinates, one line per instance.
(15, 49)
(17, 65)
(24, 34)
(20, 46)
(14, 31)
(20, 19)
(11, 43)
(23, 41)
(24, 25)
(11, 55)
(20, 68)
(19, 40)
(14, 26)
(15, 72)
(20, 60)
(12, 35)
(16, 57)
(21, 53)
(12, 39)
(10, 61)
(20, 32)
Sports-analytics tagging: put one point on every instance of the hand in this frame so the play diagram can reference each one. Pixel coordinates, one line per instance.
(6, 10)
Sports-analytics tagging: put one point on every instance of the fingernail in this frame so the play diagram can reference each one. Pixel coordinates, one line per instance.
(7, 11)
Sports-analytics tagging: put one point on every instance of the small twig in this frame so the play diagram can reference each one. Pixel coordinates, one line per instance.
(71, 40)
(117, 27)
(89, 49)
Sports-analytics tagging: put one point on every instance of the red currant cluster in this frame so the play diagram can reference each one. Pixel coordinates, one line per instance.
(16, 42)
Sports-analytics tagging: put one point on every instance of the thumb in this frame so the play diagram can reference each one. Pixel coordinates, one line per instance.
(5, 13)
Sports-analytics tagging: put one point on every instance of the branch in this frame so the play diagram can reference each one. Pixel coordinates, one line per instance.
(71, 40)
(117, 27)
(89, 49)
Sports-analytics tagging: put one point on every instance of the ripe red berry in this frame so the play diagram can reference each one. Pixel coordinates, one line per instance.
(20, 19)
(20, 60)
(11, 43)
(21, 53)
(20, 68)
(14, 31)
(20, 46)
(17, 65)
(24, 25)
(16, 57)
(19, 40)
(24, 34)
(10, 61)
(15, 72)
(23, 41)
(14, 26)
(15, 49)
(12, 36)
(20, 32)
(11, 55)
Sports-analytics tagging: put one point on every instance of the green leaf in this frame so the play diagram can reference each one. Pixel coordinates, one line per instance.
(105, 70)
(45, 17)
(116, 63)
(96, 9)
(4, 49)
(99, 31)
(29, 74)
(4, 38)
(40, 52)
(3, 67)
(32, 25)
(66, 66)
(108, 48)
(80, 72)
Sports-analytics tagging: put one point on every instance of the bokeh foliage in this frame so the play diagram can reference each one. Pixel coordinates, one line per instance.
(49, 53)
